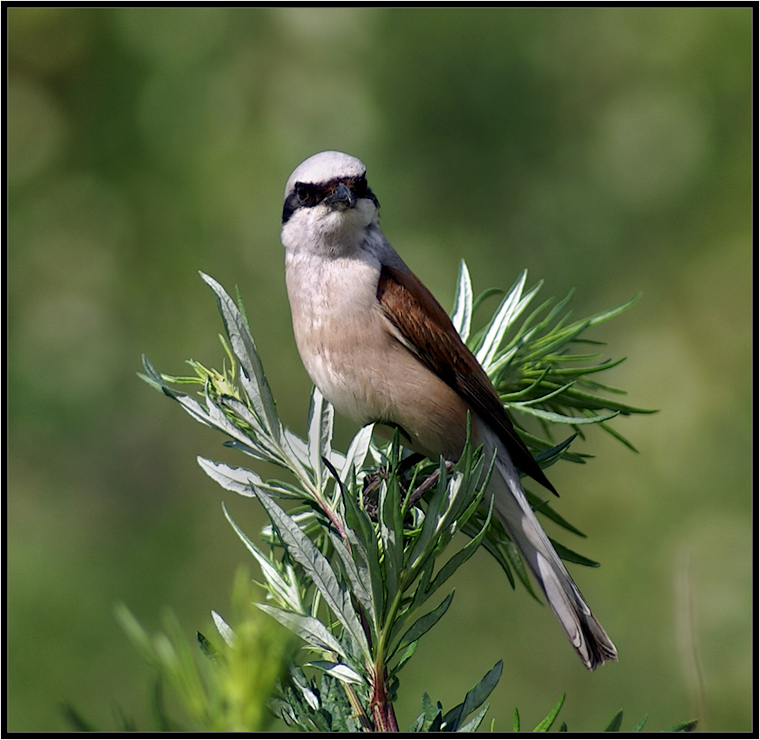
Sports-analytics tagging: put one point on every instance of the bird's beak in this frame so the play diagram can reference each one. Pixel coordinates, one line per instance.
(341, 197)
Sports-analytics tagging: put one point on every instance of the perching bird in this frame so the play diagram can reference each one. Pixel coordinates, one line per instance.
(380, 348)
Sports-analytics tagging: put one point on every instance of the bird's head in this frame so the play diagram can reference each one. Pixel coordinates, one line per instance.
(328, 204)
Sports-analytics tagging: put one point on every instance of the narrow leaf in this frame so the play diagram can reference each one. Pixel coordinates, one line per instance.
(318, 568)
(499, 323)
(299, 680)
(474, 723)
(516, 561)
(461, 316)
(474, 698)
(615, 723)
(252, 376)
(605, 315)
(309, 629)
(226, 632)
(357, 451)
(556, 418)
(391, 525)
(573, 557)
(548, 721)
(320, 424)
(639, 726)
(542, 507)
(689, 726)
(361, 527)
(338, 670)
(423, 624)
(297, 446)
(231, 478)
(460, 557)
(286, 593)
(207, 648)
(356, 573)
(426, 539)
(244, 481)
(405, 657)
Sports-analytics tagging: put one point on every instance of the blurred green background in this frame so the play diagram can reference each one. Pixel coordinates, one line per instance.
(604, 149)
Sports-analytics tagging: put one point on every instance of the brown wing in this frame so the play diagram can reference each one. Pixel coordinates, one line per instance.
(428, 332)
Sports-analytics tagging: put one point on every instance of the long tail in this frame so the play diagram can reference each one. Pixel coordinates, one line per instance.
(581, 627)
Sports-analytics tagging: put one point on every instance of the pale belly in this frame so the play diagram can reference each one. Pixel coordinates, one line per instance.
(366, 373)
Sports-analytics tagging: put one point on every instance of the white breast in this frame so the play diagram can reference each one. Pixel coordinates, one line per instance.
(337, 326)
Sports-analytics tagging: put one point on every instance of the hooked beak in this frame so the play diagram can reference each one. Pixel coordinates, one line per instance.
(342, 197)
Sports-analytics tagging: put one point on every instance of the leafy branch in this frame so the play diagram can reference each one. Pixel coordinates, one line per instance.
(352, 567)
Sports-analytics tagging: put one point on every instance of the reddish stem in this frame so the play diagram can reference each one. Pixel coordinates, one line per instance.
(382, 709)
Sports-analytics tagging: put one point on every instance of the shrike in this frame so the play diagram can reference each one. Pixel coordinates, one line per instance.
(380, 348)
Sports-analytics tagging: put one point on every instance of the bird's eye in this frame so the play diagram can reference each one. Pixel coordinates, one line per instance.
(360, 187)
(302, 192)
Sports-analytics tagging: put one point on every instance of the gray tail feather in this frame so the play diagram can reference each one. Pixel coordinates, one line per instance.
(511, 506)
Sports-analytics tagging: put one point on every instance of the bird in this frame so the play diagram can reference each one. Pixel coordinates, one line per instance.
(381, 349)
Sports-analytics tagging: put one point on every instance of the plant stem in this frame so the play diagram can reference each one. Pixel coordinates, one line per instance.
(382, 709)
(356, 705)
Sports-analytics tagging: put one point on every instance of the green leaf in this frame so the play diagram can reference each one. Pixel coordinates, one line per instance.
(207, 648)
(474, 723)
(494, 548)
(639, 726)
(612, 312)
(231, 478)
(424, 623)
(418, 724)
(309, 629)
(135, 632)
(499, 324)
(545, 724)
(615, 722)
(356, 571)
(357, 452)
(360, 527)
(391, 525)
(244, 481)
(573, 557)
(619, 437)
(426, 539)
(338, 670)
(299, 680)
(430, 718)
(516, 561)
(461, 316)
(420, 593)
(555, 391)
(541, 506)
(689, 726)
(484, 296)
(555, 418)
(318, 568)
(405, 657)
(320, 425)
(516, 721)
(296, 446)
(252, 376)
(460, 557)
(473, 699)
(285, 591)
(225, 631)
(158, 710)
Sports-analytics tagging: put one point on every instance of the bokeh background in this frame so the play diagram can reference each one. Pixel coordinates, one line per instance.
(604, 149)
